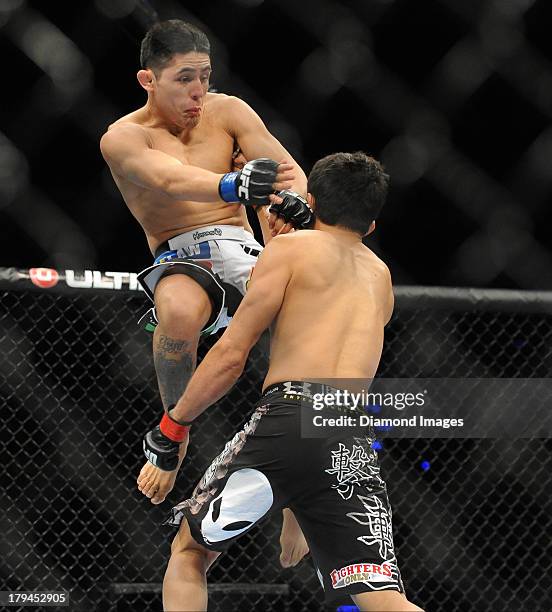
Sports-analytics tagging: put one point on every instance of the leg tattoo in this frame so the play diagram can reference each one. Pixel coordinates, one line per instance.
(174, 361)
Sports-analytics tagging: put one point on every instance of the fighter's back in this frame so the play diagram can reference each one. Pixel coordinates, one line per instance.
(336, 305)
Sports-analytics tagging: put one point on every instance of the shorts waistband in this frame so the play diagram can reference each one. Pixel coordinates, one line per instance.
(202, 234)
(296, 390)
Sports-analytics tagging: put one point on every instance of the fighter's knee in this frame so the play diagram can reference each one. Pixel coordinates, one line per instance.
(181, 305)
(176, 317)
(184, 549)
(192, 552)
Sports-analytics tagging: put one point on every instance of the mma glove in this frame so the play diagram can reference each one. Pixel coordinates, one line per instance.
(162, 443)
(294, 209)
(251, 185)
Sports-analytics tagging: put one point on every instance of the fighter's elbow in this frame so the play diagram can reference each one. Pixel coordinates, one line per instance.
(236, 360)
(232, 358)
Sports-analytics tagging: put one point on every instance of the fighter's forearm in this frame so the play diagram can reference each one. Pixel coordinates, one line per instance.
(214, 377)
(192, 183)
(300, 183)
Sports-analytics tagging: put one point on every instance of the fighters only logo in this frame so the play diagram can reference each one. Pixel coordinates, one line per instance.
(361, 572)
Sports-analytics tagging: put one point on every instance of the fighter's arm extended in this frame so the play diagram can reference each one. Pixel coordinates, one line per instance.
(127, 150)
(224, 363)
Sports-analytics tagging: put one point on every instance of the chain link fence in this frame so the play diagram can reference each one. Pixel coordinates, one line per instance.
(472, 518)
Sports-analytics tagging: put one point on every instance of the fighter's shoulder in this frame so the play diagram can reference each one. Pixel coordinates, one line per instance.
(291, 245)
(302, 239)
(124, 132)
(230, 108)
(225, 102)
(380, 276)
(379, 266)
(285, 245)
(299, 237)
(219, 103)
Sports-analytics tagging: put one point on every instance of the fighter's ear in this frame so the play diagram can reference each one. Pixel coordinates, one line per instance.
(311, 201)
(146, 78)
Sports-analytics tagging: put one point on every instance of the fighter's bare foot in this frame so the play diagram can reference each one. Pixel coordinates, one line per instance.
(156, 484)
(293, 543)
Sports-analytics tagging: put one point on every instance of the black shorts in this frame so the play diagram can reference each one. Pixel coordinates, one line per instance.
(333, 486)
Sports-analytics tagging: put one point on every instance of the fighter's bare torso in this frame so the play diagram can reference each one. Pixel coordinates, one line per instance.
(339, 333)
(208, 145)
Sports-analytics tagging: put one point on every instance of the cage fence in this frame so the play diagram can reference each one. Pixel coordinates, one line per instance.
(472, 517)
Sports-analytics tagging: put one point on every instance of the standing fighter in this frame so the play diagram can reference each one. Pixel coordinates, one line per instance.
(171, 159)
(341, 505)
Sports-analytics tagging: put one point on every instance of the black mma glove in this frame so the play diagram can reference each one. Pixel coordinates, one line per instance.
(160, 450)
(294, 209)
(252, 184)
(162, 443)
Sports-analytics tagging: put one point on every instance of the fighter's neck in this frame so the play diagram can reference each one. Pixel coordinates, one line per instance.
(341, 233)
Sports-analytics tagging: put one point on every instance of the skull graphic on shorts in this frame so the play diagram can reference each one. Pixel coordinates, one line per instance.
(246, 498)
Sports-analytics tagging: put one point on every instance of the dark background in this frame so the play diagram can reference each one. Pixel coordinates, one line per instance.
(454, 96)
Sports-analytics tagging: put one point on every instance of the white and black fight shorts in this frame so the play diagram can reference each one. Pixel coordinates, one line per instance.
(220, 258)
(332, 484)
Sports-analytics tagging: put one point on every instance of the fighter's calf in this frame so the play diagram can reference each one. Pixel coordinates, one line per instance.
(183, 309)
(185, 584)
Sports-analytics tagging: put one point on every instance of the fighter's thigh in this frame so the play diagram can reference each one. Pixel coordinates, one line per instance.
(239, 259)
(180, 301)
(184, 543)
(383, 601)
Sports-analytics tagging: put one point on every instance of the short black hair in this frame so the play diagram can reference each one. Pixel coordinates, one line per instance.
(166, 38)
(349, 190)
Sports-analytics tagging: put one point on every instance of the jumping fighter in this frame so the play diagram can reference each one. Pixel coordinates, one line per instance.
(171, 160)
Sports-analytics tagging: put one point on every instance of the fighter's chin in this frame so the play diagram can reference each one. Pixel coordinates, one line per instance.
(186, 122)
(194, 120)
(189, 120)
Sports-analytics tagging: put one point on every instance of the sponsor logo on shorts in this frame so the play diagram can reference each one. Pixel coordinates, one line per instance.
(44, 277)
(302, 390)
(361, 572)
(200, 253)
(214, 232)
